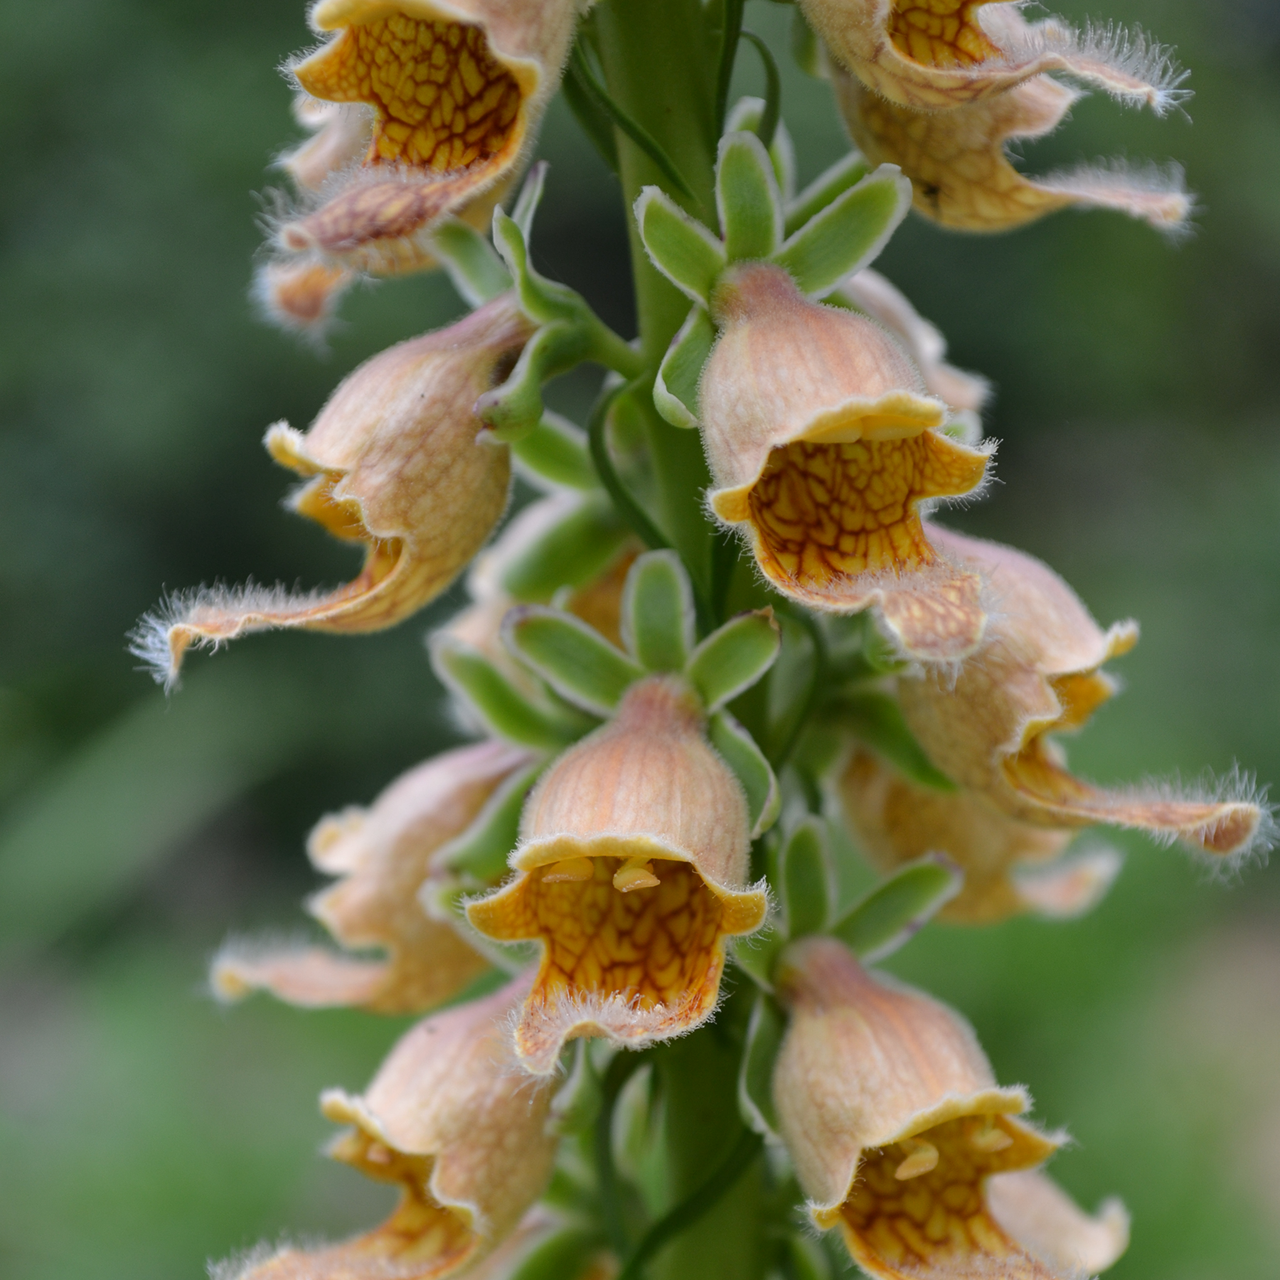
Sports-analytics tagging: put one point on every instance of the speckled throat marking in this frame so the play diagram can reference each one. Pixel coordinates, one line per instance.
(937, 1224)
(831, 511)
(940, 33)
(443, 102)
(656, 946)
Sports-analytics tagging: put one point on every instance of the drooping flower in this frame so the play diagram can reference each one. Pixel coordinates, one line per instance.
(394, 461)
(937, 54)
(383, 855)
(457, 89)
(822, 447)
(901, 1137)
(340, 133)
(631, 872)
(1009, 866)
(1037, 674)
(959, 167)
(886, 304)
(452, 1122)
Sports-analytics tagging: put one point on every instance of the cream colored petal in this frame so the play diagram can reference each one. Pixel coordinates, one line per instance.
(959, 168)
(384, 855)
(392, 462)
(341, 136)
(631, 873)
(933, 55)
(869, 291)
(300, 295)
(1033, 1209)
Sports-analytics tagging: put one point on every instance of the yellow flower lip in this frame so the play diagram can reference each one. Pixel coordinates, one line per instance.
(455, 91)
(960, 172)
(631, 874)
(394, 462)
(1035, 675)
(899, 1133)
(822, 445)
(940, 54)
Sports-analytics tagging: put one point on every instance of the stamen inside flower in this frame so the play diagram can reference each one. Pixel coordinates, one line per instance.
(940, 33)
(917, 1207)
(443, 102)
(831, 511)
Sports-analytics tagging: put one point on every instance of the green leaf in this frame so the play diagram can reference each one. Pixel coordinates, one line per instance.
(470, 260)
(675, 392)
(530, 198)
(747, 198)
(569, 553)
(734, 657)
(755, 1077)
(658, 612)
(747, 116)
(557, 451)
(830, 184)
(505, 711)
(678, 245)
(893, 912)
(480, 852)
(848, 233)
(804, 875)
(753, 771)
(573, 658)
(593, 118)
(877, 720)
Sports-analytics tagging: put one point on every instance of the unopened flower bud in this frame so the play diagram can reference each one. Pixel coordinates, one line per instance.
(960, 172)
(631, 872)
(395, 462)
(1009, 866)
(1036, 674)
(900, 1134)
(383, 855)
(454, 1123)
(457, 89)
(941, 54)
(822, 446)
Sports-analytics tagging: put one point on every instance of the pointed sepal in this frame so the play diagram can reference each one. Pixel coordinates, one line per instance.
(470, 260)
(573, 551)
(747, 198)
(805, 880)
(675, 392)
(658, 612)
(895, 911)
(678, 245)
(740, 752)
(877, 720)
(733, 657)
(556, 453)
(755, 1076)
(479, 855)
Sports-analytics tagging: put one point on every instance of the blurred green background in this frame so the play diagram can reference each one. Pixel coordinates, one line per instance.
(142, 1128)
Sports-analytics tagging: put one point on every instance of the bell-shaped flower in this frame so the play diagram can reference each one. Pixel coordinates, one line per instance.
(886, 304)
(382, 856)
(936, 54)
(395, 461)
(1009, 866)
(456, 88)
(631, 873)
(1037, 673)
(901, 1137)
(451, 1121)
(959, 166)
(822, 446)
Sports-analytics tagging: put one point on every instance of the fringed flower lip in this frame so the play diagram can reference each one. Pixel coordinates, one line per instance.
(451, 1121)
(457, 89)
(1037, 674)
(823, 446)
(631, 872)
(932, 55)
(394, 462)
(1010, 866)
(383, 855)
(960, 172)
(901, 1137)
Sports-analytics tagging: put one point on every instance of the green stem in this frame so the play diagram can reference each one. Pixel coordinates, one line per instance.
(657, 64)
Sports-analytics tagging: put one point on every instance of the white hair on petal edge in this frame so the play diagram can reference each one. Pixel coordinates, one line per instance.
(1101, 48)
(242, 1263)
(150, 640)
(1156, 194)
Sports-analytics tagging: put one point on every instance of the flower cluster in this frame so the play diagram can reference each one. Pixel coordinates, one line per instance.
(673, 706)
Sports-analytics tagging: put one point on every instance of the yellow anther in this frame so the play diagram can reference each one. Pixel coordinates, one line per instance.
(635, 873)
(989, 1139)
(922, 1157)
(569, 869)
